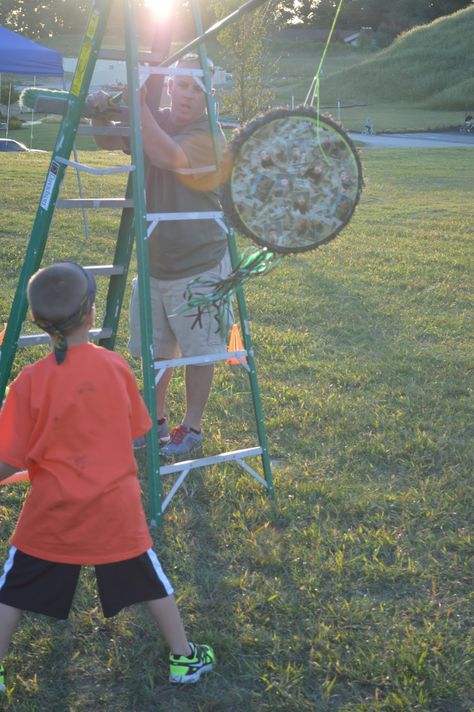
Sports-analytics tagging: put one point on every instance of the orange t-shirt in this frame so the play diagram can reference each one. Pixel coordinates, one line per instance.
(71, 426)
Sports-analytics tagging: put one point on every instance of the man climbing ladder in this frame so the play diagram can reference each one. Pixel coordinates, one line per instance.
(178, 144)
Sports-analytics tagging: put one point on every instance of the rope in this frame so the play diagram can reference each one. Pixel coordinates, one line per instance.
(216, 294)
(313, 92)
(314, 88)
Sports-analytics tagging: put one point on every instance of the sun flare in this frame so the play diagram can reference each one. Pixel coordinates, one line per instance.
(160, 8)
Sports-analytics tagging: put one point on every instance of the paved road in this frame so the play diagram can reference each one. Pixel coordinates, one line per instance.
(416, 140)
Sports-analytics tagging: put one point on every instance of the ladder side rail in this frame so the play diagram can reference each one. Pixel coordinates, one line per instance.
(257, 404)
(210, 100)
(118, 283)
(141, 246)
(85, 221)
(64, 143)
(252, 372)
(161, 44)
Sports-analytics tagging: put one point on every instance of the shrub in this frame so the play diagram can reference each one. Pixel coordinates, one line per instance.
(52, 119)
(15, 123)
(8, 93)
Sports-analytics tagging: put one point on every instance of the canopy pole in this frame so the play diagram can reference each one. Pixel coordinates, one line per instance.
(8, 107)
(32, 118)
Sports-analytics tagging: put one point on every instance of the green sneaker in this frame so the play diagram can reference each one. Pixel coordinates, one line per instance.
(2, 679)
(184, 669)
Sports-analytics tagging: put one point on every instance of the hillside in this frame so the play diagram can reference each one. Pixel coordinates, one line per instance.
(430, 66)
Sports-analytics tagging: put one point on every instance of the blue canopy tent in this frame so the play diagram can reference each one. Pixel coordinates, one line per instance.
(19, 55)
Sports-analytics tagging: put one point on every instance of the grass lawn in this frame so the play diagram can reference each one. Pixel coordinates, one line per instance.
(385, 118)
(352, 590)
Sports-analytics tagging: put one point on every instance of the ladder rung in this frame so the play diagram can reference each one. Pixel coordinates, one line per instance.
(36, 339)
(205, 461)
(195, 360)
(106, 270)
(119, 55)
(88, 130)
(95, 171)
(95, 203)
(201, 215)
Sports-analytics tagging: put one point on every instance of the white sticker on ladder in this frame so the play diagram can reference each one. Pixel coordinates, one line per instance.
(49, 185)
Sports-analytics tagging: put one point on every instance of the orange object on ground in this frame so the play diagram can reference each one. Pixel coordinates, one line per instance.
(2, 332)
(235, 344)
(17, 477)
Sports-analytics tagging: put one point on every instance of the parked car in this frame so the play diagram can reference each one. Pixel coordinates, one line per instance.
(9, 145)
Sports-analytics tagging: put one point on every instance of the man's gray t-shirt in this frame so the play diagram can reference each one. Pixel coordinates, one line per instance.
(185, 248)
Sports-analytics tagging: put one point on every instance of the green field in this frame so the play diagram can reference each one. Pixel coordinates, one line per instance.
(353, 589)
(428, 67)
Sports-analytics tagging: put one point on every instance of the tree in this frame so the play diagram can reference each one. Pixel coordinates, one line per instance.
(45, 18)
(400, 14)
(405, 14)
(8, 93)
(246, 41)
(301, 12)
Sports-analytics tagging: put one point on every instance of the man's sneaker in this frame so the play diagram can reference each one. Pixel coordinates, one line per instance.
(185, 670)
(2, 679)
(163, 436)
(182, 441)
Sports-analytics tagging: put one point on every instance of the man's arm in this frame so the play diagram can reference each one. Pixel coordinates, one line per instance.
(158, 146)
(7, 470)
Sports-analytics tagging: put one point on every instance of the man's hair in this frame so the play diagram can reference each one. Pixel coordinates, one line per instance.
(57, 293)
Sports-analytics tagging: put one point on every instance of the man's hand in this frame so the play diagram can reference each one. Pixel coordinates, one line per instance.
(98, 100)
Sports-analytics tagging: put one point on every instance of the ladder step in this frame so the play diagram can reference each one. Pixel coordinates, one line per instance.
(88, 130)
(205, 461)
(36, 339)
(95, 203)
(96, 171)
(119, 55)
(161, 366)
(107, 270)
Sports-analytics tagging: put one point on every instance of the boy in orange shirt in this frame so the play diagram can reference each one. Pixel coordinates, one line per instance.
(70, 419)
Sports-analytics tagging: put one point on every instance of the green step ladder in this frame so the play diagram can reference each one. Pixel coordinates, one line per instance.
(134, 228)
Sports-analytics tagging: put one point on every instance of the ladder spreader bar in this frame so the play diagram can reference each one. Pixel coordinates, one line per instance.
(95, 203)
(204, 461)
(37, 339)
(87, 130)
(195, 360)
(106, 270)
(209, 215)
(96, 171)
(120, 55)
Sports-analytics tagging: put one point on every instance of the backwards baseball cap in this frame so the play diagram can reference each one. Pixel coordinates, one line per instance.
(57, 330)
(196, 73)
